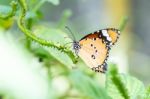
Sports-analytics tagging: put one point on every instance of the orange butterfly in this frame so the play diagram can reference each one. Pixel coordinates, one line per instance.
(94, 48)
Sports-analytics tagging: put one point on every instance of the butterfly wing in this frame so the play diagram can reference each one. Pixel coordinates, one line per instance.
(94, 48)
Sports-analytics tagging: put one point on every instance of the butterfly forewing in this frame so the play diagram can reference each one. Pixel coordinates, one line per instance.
(114, 34)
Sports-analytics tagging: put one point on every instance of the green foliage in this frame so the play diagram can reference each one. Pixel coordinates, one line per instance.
(7, 12)
(113, 77)
(55, 2)
(47, 43)
(86, 86)
(57, 36)
(63, 20)
(147, 93)
(123, 86)
(123, 23)
(28, 33)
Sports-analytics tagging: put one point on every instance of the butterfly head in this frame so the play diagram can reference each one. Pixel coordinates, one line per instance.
(76, 46)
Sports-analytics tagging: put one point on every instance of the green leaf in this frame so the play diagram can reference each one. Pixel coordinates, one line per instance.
(87, 87)
(56, 36)
(123, 86)
(6, 14)
(135, 87)
(4, 10)
(147, 93)
(6, 24)
(41, 52)
(55, 2)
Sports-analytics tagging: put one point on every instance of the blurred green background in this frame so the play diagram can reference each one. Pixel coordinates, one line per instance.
(29, 70)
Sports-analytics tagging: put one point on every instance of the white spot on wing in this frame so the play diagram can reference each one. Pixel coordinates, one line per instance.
(108, 38)
(104, 32)
(110, 44)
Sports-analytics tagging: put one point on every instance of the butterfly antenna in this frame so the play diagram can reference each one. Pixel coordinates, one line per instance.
(70, 32)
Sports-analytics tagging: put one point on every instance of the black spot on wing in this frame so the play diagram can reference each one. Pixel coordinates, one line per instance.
(96, 51)
(102, 67)
(93, 56)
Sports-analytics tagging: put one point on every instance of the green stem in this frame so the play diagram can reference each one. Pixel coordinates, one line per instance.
(123, 23)
(28, 40)
(11, 13)
(29, 34)
(41, 2)
(65, 16)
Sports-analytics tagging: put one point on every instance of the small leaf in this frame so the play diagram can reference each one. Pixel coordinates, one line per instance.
(123, 86)
(55, 2)
(56, 36)
(88, 88)
(41, 52)
(6, 24)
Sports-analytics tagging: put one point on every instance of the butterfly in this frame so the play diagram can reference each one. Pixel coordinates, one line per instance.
(94, 48)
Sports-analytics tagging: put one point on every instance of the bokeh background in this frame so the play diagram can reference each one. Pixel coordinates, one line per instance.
(26, 67)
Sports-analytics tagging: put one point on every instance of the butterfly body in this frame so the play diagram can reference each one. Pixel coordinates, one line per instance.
(94, 48)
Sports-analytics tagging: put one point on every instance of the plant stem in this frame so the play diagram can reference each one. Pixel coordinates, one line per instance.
(11, 13)
(29, 34)
(65, 16)
(41, 2)
(123, 23)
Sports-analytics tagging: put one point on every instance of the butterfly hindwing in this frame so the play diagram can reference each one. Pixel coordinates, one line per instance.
(94, 52)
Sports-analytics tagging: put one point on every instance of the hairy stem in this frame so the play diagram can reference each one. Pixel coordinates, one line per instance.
(29, 34)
